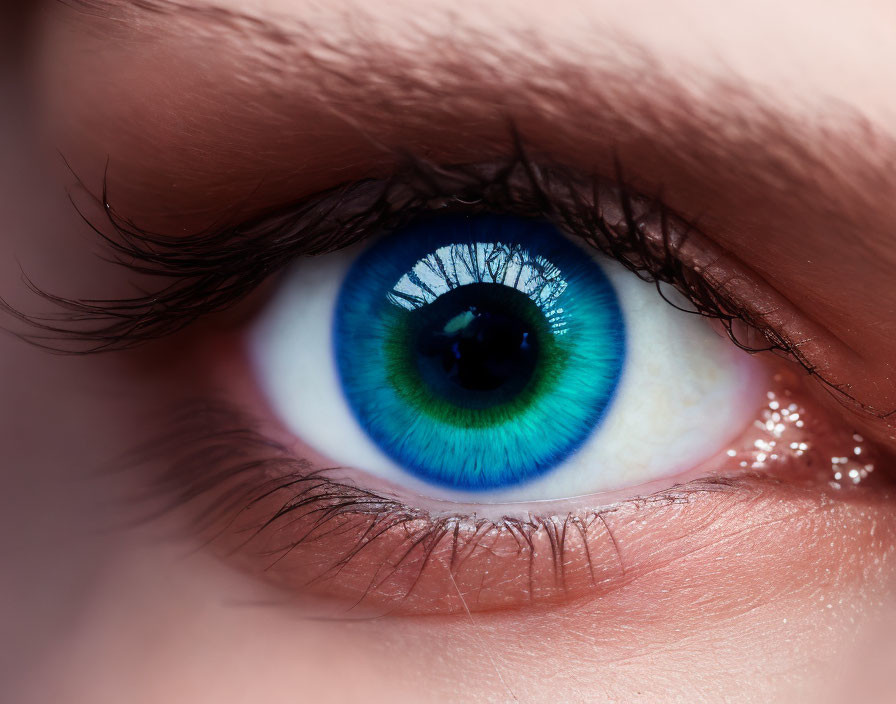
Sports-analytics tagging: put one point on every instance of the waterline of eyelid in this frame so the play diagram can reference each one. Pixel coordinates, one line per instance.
(780, 443)
(322, 521)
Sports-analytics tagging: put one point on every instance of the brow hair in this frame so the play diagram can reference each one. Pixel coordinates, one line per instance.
(840, 151)
(208, 12)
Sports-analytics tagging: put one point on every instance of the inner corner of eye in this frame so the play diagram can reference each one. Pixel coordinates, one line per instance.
(490, 356)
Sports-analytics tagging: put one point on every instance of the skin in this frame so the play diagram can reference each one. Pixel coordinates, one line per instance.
(775, 132)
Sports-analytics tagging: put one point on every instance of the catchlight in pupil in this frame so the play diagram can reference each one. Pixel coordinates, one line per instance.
(478, 352)
(477, 344)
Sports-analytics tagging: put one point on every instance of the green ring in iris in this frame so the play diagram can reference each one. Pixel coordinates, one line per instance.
(403, 372)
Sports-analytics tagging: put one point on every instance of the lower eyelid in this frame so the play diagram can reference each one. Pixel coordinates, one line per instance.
(381, 559)
(411, 565)
(365, 552)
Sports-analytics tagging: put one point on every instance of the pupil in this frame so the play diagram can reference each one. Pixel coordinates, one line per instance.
(478, 344)
(482, 350)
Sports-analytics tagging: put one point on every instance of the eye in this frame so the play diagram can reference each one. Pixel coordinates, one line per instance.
(490, 358)
(473, 411)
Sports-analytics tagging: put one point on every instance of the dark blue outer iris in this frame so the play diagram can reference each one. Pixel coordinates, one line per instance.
(478, 352)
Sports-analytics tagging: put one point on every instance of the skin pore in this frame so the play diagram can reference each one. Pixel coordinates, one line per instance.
(773, 132)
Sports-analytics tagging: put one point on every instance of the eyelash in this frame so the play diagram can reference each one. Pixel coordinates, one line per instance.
(220, 465)
(216, 269)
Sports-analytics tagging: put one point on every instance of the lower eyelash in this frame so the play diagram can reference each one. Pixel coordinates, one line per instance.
(248, 496)
(220, 468)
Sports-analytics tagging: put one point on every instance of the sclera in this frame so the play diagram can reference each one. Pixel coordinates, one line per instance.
(684, 393)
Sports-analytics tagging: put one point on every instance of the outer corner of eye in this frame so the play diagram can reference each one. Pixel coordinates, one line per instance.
(490, 358)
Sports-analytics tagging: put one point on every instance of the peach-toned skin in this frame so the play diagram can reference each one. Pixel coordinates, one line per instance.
(771, 124)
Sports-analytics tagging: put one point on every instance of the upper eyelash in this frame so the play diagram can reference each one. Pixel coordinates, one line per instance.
(213, 270)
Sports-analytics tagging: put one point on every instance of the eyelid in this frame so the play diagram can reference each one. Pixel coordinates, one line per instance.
(315, 532)
(213, 270)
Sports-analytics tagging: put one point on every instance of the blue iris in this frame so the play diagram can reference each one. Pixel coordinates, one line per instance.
(478, 352)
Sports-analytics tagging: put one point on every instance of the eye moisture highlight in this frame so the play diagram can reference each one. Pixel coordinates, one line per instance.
(478, 352)
(487, 358)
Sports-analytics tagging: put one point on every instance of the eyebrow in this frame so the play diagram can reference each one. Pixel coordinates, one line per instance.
(848, 160)
(120, 10)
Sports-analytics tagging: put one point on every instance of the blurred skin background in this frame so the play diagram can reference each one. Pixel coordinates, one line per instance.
(771, 123)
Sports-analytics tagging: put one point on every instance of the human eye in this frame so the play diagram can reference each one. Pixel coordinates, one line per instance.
(390, 427)
(297, 438)
(491, 358)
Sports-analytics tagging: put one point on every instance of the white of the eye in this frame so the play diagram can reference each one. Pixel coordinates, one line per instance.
(683, 394)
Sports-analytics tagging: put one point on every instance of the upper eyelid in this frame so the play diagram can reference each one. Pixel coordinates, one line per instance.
(717, 133)
(345, 214)
(213, 270)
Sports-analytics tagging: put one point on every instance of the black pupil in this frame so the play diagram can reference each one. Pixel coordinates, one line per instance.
(477, 344)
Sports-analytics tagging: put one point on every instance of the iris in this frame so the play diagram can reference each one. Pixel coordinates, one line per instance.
(478, 352)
